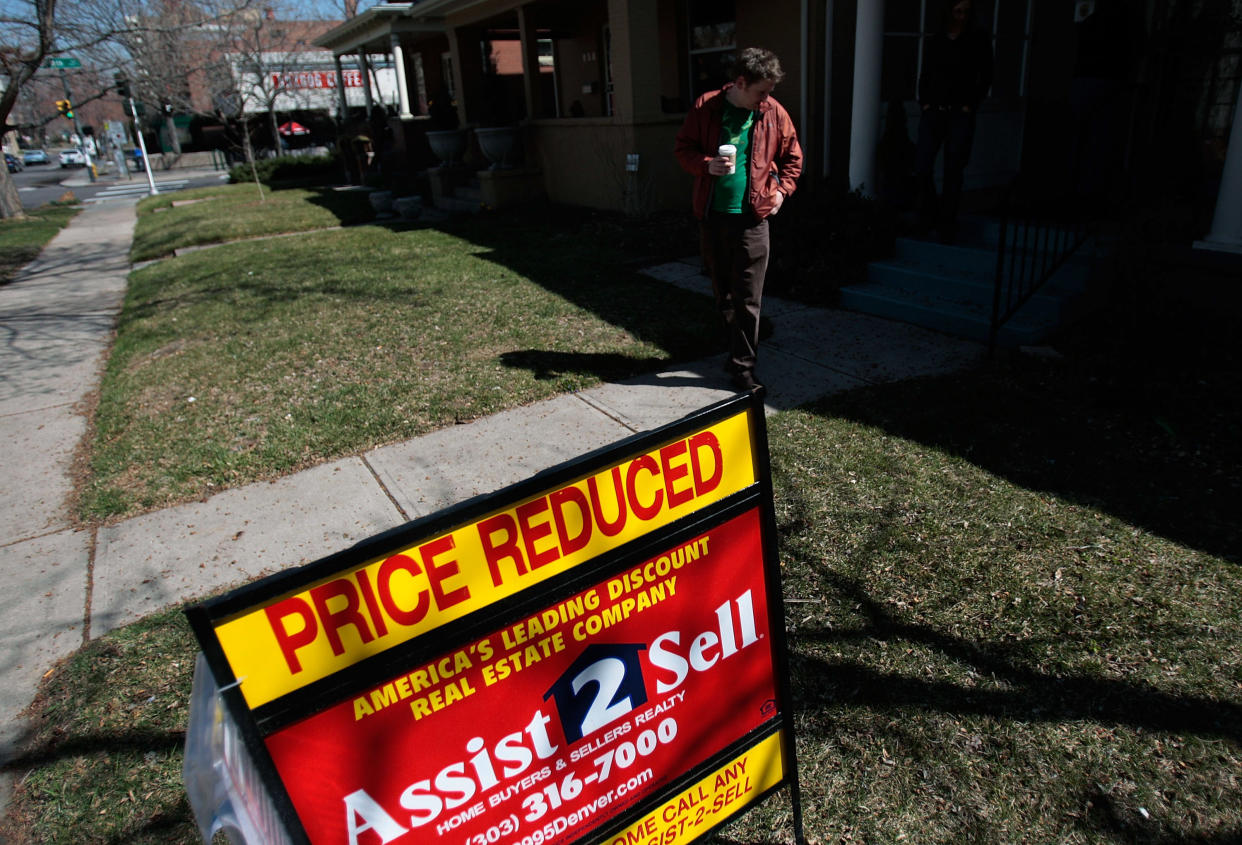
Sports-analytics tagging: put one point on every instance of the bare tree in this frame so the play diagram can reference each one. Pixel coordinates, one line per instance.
(105, 36)
(259, 62)
(174, 48)
(29, 38)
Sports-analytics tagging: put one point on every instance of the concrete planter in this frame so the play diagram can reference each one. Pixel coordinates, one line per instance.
(448, 145)
(500, 145)
(409, 208)
(381, 201)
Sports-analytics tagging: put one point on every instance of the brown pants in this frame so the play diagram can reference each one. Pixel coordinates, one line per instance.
(735, 253)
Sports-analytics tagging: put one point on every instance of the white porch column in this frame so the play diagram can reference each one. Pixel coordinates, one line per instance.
(1226, 232)
(403, 87)
(364, 65)
(342, 107)
(865, 118)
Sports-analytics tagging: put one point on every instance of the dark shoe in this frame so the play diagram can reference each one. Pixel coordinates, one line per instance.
(744, 380)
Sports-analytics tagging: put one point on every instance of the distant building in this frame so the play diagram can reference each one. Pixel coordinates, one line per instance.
(306, 80)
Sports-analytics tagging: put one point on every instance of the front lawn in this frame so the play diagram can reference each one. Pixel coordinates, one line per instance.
(168, 222)
(988, 645)
(257, 359)
(21, 240)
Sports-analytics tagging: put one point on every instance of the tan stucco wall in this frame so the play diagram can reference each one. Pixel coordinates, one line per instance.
(658, 166)
(580, 62)
(583, 163)
(774, 24)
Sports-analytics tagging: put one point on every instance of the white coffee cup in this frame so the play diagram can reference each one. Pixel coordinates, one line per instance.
(730, 152)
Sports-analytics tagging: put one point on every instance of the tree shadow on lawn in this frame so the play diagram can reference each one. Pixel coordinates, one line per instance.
(587, 259)
(85, 745)
(547, 365)
(164, 823)
(1158, 445)
(1030, 697)
(1033, 696)
(350, 207)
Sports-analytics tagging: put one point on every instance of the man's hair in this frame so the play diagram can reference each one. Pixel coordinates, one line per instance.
(756, 63)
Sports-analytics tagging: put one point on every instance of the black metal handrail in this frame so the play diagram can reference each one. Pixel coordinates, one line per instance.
(1031, 250)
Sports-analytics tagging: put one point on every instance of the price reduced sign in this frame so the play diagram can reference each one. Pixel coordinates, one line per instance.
(594, 655)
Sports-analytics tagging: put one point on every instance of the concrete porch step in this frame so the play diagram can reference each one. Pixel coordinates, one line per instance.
(940, 282)
(459, 204)
(978, 263)
(950, 287)
(953, 318)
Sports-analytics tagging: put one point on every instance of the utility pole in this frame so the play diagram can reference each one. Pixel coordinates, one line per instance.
(142, 145)
(127, 93)
(77, 128)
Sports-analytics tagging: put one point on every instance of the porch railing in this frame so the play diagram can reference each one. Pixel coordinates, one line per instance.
(1033, 247)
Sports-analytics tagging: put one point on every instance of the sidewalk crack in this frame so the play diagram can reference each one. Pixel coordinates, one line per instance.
(91, 547)
(405, 516)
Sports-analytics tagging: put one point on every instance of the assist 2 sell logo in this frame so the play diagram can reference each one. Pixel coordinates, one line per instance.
(605, 686)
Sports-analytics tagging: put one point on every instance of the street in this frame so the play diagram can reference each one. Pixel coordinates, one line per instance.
(40, 184)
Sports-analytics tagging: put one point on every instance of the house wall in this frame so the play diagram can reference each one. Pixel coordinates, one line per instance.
(583, 163)
(636, 59)
(580, 62)
(582, 160)
(663, 183)
(672, 45)
(775, 25)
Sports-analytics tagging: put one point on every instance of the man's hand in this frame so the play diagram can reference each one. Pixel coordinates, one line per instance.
(718, 166)
(780, 200)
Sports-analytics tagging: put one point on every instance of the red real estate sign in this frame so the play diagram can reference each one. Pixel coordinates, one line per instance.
(555, 723)
(596, 654)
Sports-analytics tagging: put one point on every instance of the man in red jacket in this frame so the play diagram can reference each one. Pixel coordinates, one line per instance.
(733, 200)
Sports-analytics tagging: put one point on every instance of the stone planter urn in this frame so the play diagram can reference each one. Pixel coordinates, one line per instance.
(381, 202)
(409, 208)
(448, 145)
(500, 145)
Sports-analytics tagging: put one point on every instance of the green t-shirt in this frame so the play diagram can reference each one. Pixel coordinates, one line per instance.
(729, 194)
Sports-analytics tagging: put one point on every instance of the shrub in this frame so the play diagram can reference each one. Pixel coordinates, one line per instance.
(307, 169)
(822, 240)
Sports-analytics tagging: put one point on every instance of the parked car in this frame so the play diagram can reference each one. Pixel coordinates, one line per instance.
(36, 157)
(72, 158)
(15, 164)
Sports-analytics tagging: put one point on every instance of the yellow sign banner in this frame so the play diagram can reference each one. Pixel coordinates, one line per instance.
(715, 798)
(292, 641)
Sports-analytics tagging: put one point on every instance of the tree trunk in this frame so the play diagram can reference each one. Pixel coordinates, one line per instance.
(248, 148)
(275, 121)
(10, 202)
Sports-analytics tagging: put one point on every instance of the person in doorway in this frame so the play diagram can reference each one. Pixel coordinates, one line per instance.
(734, 195)
(954, 79)
(1097, 101)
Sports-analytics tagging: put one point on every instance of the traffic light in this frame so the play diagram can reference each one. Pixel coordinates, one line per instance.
(123, 87)
(65, 108)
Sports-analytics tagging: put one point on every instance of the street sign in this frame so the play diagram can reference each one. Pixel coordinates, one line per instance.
(63, 62)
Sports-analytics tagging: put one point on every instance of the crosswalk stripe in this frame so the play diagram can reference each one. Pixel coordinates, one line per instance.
(124, 191)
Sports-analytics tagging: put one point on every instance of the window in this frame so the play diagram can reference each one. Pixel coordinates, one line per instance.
(712, 30)
(909, 23)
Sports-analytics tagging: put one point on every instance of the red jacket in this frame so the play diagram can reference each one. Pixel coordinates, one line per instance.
(775, 159)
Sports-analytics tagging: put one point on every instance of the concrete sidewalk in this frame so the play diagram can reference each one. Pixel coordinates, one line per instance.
(64, 587)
